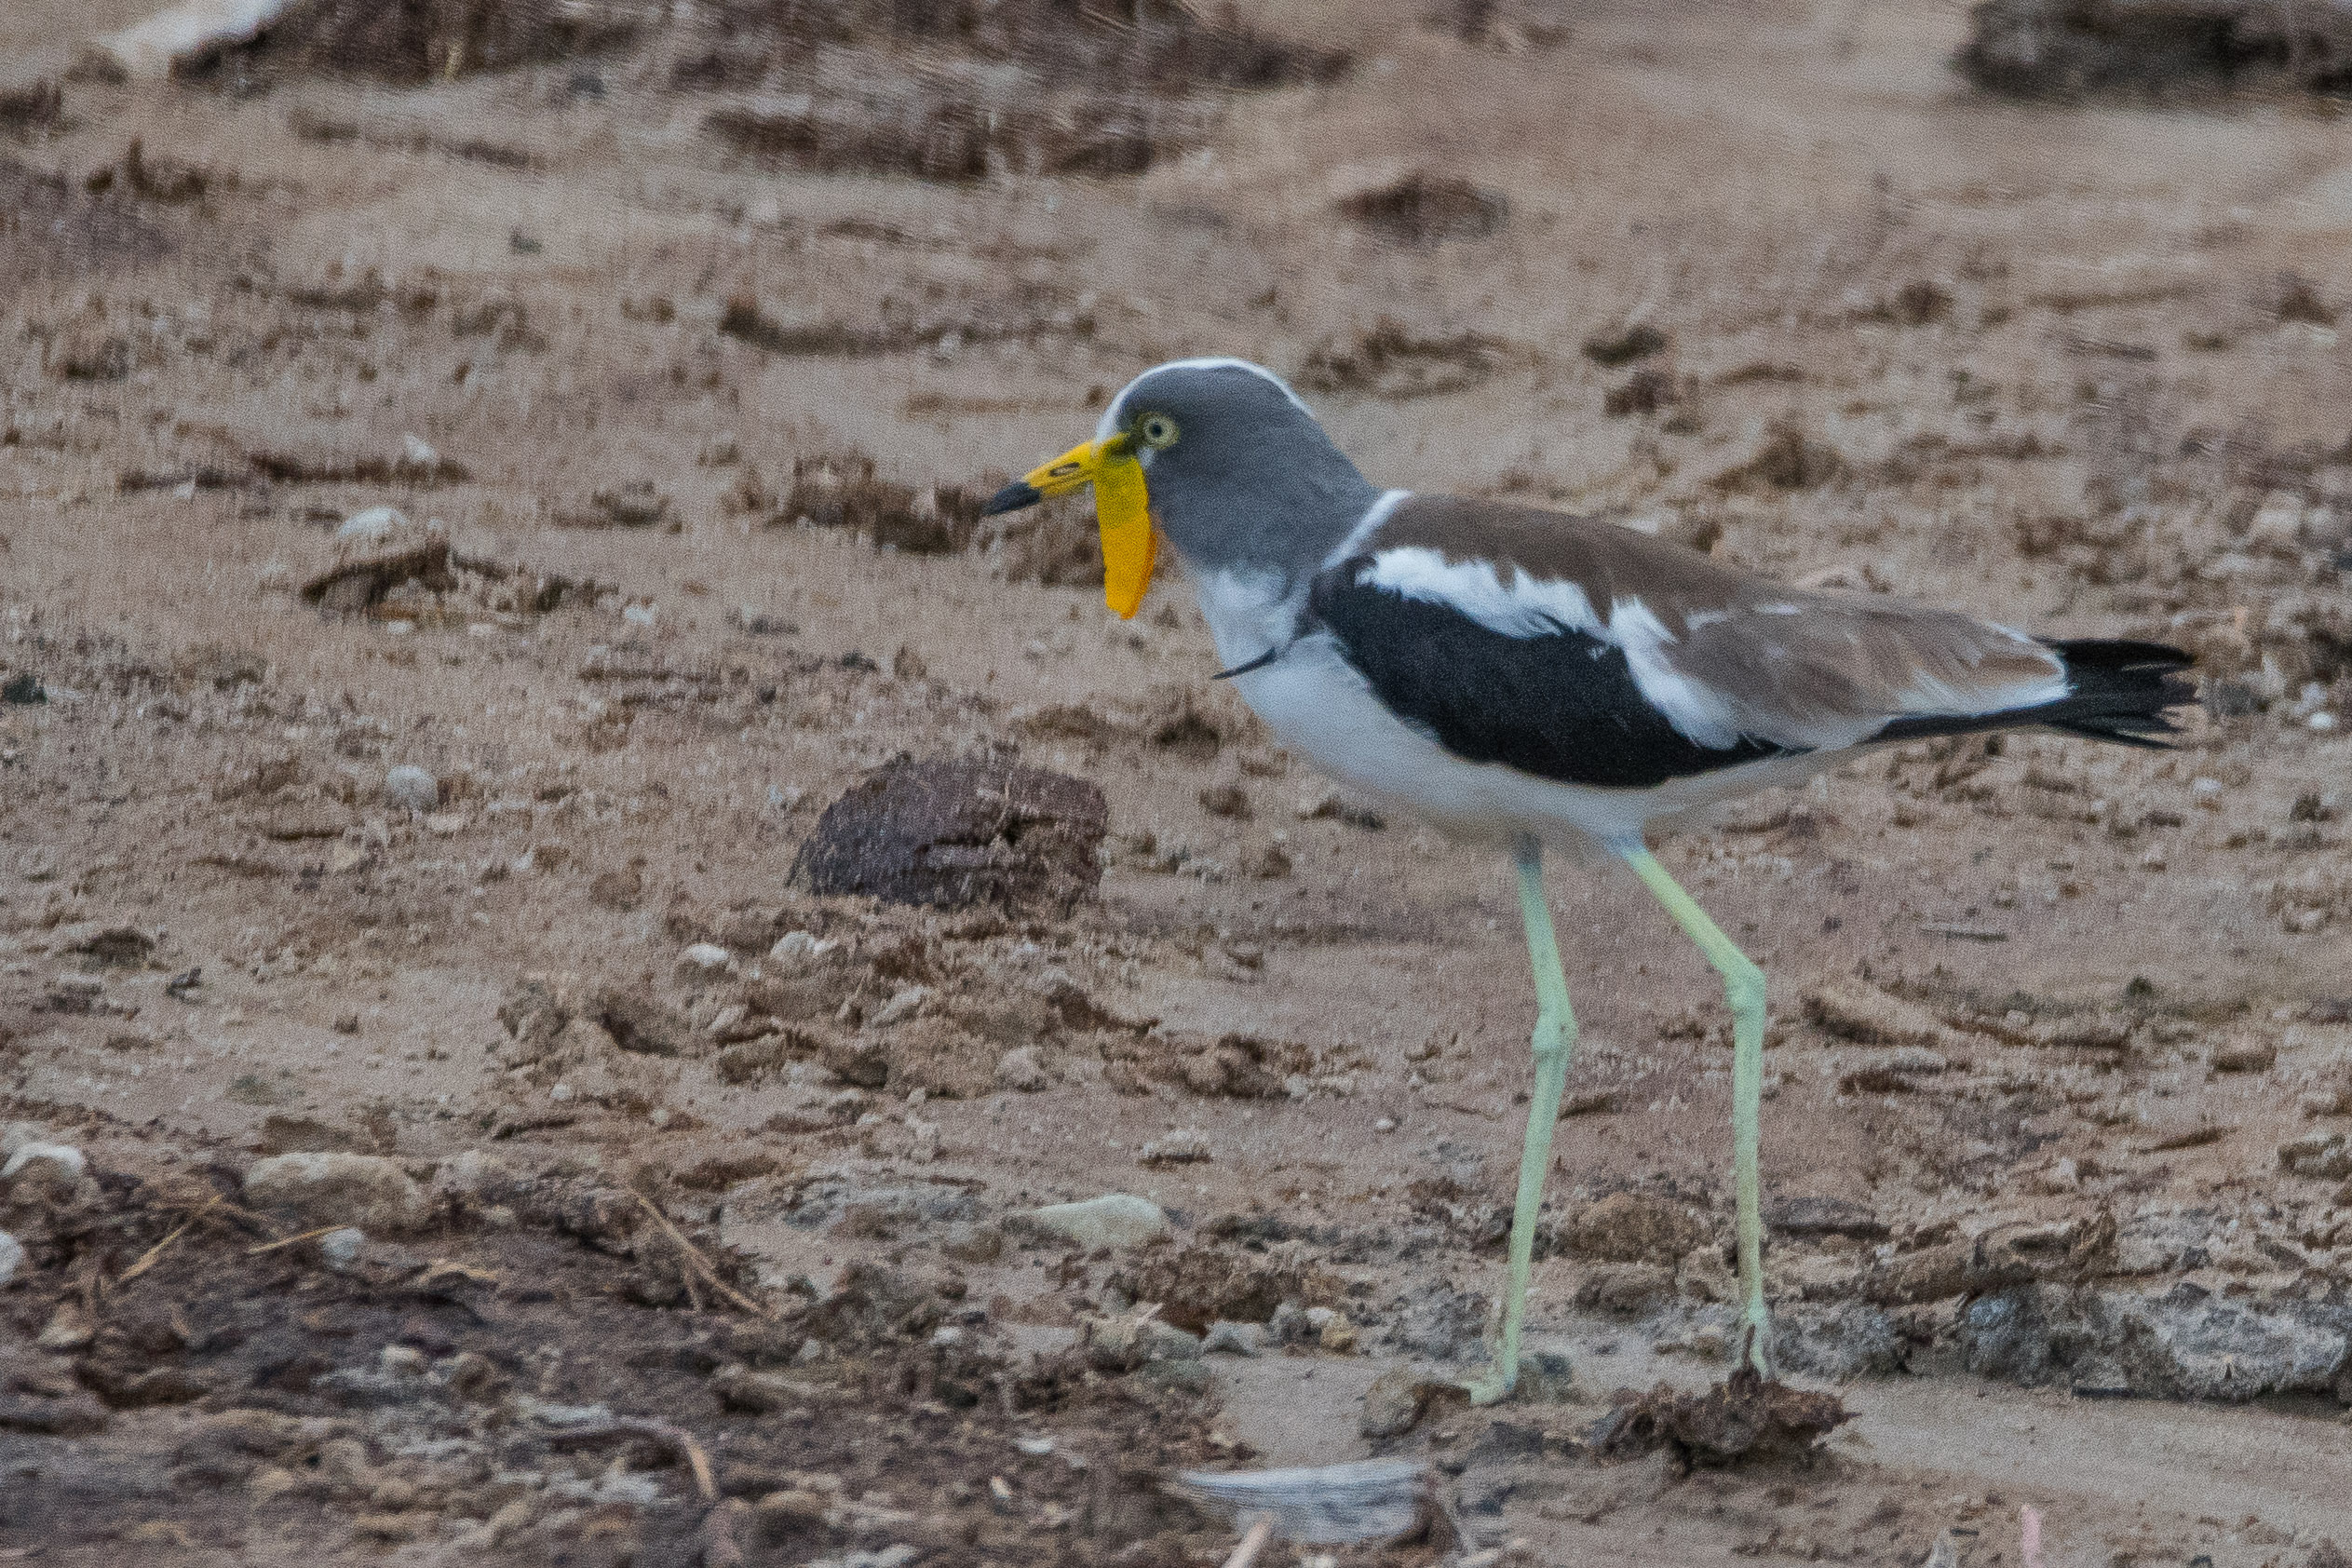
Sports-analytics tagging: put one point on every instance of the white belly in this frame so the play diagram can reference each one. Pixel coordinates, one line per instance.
(1316, 704)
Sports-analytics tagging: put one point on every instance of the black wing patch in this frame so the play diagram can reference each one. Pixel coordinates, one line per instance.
(1562, 707)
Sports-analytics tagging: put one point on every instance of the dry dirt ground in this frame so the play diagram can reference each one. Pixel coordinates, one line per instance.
(685, 1203)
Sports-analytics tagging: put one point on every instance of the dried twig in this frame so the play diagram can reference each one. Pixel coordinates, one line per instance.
(677, 1439)
(290, 1240)
(2029, 1534)
(147, 1259)
(450, 1268)
(694, 1254)
(1254, 1541)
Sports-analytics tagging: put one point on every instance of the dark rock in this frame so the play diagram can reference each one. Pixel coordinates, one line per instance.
(30, 106)
(1744, 1418)
(952, 834)
(71, 1417)
(1611, 349)
(1856, 1340)
(1427, 210)
(1204, 1283)
(1635, 1227)
(1625, 1290)
(2186, 1344)
(2142, 48)
(1823, 1216)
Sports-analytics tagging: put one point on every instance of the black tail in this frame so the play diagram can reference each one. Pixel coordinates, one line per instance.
(2120, 692)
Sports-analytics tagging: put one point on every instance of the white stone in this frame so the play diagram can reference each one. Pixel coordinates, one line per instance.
(16, 1135)
(331, 1188)
(706, 955)
(373, 524)
(11, 1259)
(1116, 1220)
(1183, 1146)
(1232, 1338)
(69, 1162)
(800, 949)
(340, 1249)
(413, 788)
(1020, 1070)
(147, 51)
(469, 1175)
(902, 1005)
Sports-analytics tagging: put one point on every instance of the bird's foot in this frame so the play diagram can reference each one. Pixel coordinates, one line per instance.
(1753, 1349)
(1491, 1387)
(1541, 1377)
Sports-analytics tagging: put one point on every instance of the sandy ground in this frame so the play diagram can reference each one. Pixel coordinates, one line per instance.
(2073, 369)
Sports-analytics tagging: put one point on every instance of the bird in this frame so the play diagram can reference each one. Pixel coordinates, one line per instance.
(1522, 678)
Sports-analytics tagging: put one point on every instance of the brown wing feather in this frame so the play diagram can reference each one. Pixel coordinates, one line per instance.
(1789, 666)
(1833, 671)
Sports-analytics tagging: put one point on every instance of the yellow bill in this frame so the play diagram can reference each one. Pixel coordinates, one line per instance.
(1122, 512)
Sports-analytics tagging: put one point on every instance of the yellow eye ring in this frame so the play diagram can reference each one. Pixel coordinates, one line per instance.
(1156, 430)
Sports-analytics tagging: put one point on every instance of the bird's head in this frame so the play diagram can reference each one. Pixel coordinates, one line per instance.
(1220, 455)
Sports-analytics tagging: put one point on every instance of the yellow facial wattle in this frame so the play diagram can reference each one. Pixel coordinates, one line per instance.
(1122, 512)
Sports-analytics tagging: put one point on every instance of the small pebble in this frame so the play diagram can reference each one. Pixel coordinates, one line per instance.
(340, 1249)
(1116, 1219)
(413, 788)
(66, 1162)
(1020, 1070)
(799, 948)
(11, 1259)
(1183, 1146)
(1232, 1339)
(903, 1005)
(373, 523)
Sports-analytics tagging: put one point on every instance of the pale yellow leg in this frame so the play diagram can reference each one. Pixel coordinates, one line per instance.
(1744, 989)
(1554, 1041)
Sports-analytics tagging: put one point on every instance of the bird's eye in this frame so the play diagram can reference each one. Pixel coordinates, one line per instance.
(1156, 429)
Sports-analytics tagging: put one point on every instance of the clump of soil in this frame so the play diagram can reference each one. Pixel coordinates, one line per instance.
(1204, 1283)
(413, 42)
(2059, 48)
(30, 107)
(1743, 1419)
(962, 137)
(46, 227)
(1163, 45)
(952, 834)
(1645, 391)
(1787, 459)
(1610, 349)
(1029, 87)
(417, 578)
(1392, 361)
(1427, 210)
(842, 491)
(1239, 1066)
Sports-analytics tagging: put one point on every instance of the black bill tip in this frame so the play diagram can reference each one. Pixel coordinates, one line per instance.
(1012, 498)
